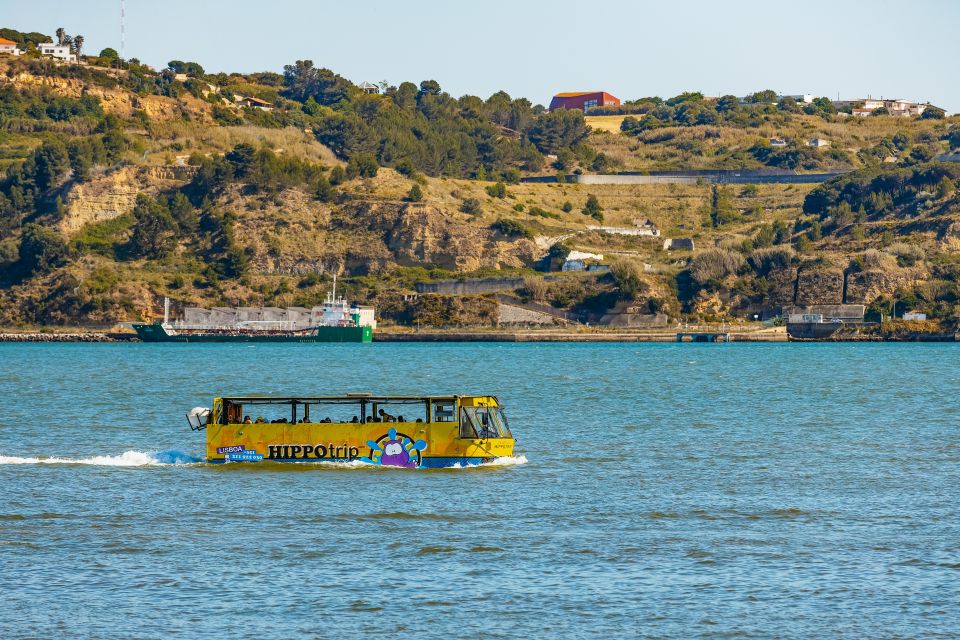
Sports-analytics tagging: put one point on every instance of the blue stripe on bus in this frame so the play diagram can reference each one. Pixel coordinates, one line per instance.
(426, 463)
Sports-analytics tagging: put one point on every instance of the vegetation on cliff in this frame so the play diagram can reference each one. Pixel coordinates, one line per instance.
(122, 184)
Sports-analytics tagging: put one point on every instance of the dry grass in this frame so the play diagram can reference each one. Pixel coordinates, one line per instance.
(606, 123)
(212, 139)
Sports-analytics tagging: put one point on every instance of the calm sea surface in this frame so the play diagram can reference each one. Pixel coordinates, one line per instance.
(668, 491)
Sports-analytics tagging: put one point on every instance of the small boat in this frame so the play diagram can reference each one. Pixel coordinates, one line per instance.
(391, 431)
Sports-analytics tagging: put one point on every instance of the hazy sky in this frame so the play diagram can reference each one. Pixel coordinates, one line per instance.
(905, 49)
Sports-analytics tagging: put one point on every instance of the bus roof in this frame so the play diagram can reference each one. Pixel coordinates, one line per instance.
(349, 397)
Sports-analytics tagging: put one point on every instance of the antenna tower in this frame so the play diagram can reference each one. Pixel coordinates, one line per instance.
(122, 29)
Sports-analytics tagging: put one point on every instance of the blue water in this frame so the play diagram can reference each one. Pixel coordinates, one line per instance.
(670, 490)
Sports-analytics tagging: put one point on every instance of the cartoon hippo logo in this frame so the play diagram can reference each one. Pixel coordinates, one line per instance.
(395, 450)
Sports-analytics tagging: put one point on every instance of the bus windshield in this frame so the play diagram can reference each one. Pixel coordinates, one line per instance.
(483, 422)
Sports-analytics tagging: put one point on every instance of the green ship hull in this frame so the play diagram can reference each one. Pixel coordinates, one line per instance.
(156, 332)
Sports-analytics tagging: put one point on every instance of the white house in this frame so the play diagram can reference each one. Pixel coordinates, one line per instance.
(805, 98)
(778, 142)
(914, 315)
(9, 47)
(818, 143)
(866, 106)
(57, 51)
(368, 87)
(626, 231)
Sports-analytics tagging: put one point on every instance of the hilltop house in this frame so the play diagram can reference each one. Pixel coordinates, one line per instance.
(255, 103)
(367, 87)
(866, 106)
(778, 142)
(583, 100)
(9, 47)
(57, 51)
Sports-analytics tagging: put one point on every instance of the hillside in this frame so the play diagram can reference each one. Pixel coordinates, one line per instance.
(123, 186)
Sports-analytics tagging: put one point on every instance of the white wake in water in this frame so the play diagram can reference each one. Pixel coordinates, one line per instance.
(125, 459)
(504, 461)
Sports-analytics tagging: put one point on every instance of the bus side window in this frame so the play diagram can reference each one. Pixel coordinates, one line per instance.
(467, 428)
(443, 412)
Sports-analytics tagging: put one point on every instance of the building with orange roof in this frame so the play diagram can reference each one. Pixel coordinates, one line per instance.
(9, 47)
(583, 100)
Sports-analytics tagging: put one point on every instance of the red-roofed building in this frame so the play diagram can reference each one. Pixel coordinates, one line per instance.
(583, 100)
(9, 47)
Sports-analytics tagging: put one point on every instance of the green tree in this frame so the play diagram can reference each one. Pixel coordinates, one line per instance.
(498, 190)
(415, 194)
(816, 230)
(592, 208)
(325, 190)
(933, 113)
(155, 230)
(51, 163)
(781, 232)
(567, 207)
(364, 165)
(109, 55)
(183, 213)
(78, 46)
(41, 250)
(628, 276)
(337, 175)
(302, 80)
(558, 129)
(722, 210)
(946, 186)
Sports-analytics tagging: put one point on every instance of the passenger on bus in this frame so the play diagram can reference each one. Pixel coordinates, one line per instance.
(259, 419)
(355, 419)
(386, 417)
(400, 419)
(246, 420)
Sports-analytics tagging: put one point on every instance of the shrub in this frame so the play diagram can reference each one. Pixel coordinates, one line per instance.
(364, 165)
(41, 249)
(714, 265)
(768, 258)
(567, 207)
(471, 206)
(535, 288)
(415, 194)
(542, 213)
(511, 228)
(498, 190)
(628, 276)
(592, 208)
(907, 254)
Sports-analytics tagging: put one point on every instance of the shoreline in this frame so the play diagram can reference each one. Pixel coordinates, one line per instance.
(502, 335)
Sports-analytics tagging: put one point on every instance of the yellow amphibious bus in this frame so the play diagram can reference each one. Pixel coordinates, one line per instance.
(396, 431)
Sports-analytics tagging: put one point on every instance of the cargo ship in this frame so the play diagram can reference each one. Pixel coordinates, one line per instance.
(334, 321)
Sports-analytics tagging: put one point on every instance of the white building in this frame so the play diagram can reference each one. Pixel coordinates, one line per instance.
(805, 98)
(368, 87)
(778, 142)
(818, 143)
(866, 106)
(9, 47)
(57, 51)
(626, 231)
